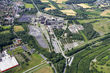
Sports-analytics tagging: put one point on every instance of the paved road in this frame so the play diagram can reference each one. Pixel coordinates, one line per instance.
(37, 68)
(49, 62)
(34, 67)
(35, 6)
(59, 44)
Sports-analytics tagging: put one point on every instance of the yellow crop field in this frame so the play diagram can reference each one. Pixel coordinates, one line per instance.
(50, 8)
(69, 12)
(18, 28)
(105, 13)
(84, 5)
(60, 1)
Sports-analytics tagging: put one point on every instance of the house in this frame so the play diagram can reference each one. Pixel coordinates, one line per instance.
(17, 41)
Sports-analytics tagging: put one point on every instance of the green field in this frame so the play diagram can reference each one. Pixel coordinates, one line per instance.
(5, 32)
(103, 62)
(27, 5)
(6, 27)
(102, 26)
(87, 21)
(85, 57)
(85, 38)
(102, 68)
(44, 68)
(36, 59)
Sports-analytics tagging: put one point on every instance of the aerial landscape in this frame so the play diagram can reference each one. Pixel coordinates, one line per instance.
(54, 36)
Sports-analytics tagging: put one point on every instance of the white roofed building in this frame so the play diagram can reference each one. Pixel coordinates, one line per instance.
(7, 62)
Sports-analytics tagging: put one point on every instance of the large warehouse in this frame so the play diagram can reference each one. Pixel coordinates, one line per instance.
(7, 62)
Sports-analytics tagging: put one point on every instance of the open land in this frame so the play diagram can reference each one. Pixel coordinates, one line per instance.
(69, 12)
(27, 5)
(60, 1)
(50, 8)
(84, 5)
(36, 59)
(5, 32)
(62, 6)
(102, 26)
(44, 69)
(102, 63)
(105, 13)
(18, 28)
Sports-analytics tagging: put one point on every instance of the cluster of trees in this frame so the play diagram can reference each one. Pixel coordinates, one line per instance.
(75, 50)
(86, 56)
(80, 1)
(41, 6)
(70, 35)
(6, 39)
(54, 4)
(3, 28)
(56, 12)
(27, 1)
(57, 59)
(89, 31)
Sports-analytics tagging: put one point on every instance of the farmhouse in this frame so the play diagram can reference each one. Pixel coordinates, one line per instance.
(7, 62)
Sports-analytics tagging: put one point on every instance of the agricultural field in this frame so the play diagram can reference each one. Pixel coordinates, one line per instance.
(62, 6)
(102, 63)
(105, 13)
(84, 5)
(44, 69)
(69, 12)
(88, 54)
(60, 1)
(102, 26)
(50, 8)
(5, 29)
(18, 28)
(5, 32)
(27, 5)
(87, 21)
(36, 59)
